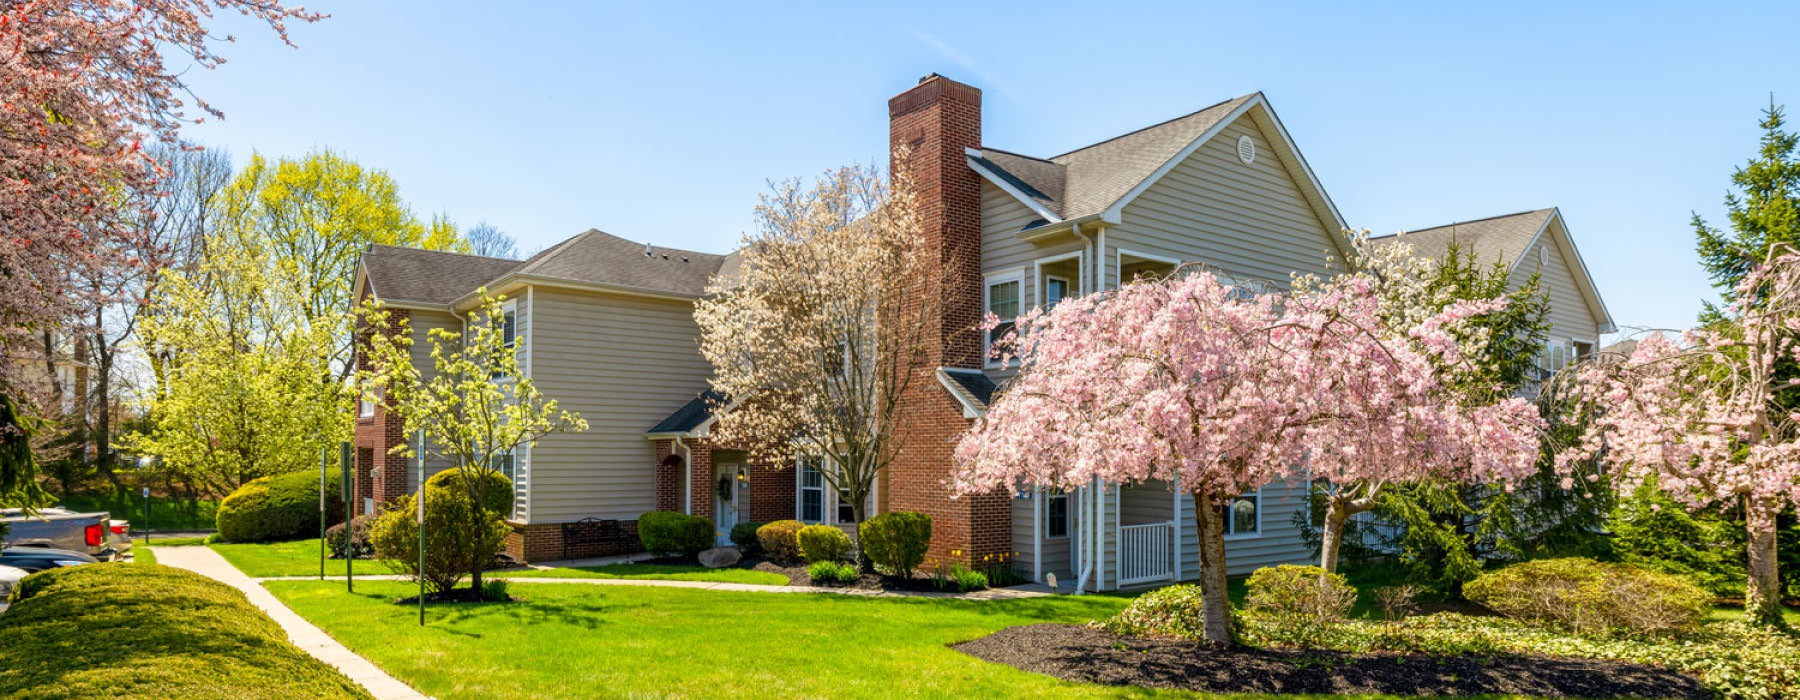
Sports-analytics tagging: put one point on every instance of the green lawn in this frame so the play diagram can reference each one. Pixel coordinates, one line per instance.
(143, 555)
(296, 558)
(652, 571)
(608, 641)
(175, 541)
(165, 513)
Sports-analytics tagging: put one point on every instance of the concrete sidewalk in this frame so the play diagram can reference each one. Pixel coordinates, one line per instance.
(206, 562)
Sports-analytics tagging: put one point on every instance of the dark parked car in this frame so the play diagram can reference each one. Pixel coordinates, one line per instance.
(35, 559)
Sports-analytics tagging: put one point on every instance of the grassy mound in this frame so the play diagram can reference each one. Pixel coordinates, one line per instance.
(148, 631)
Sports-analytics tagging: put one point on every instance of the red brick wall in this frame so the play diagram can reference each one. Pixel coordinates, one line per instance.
(936, 120)
(771, 488)
(544, 542)
(379, 475)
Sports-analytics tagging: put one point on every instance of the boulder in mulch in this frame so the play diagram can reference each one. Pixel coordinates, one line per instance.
(720, 557)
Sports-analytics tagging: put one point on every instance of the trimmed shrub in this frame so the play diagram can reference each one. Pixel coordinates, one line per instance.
(896, 542)
(824, 543)
(1165, 612)
(829, 573)
(495, 490)
(1298, 604)
(280, 507)
(744, 536)
(781, 540)
(667, 533)
(359, 528)
(1590, 597)
(108, 631)
(458, 541)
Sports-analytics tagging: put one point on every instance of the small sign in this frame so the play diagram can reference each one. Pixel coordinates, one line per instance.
(146, 492)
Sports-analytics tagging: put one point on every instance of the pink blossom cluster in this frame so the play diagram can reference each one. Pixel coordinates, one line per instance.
(1703, 415)
(1184, 380)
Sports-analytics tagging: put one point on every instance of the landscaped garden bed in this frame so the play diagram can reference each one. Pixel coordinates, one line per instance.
(1088, 655)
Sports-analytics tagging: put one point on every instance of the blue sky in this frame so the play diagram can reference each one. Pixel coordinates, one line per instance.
(663, 121)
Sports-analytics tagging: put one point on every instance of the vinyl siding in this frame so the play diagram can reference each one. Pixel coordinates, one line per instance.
(1250, 221)
(1058, 552)
(422, 323)
(1570, 317)
(623, 363)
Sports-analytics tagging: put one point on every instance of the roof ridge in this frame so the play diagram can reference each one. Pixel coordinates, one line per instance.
(1164, 122)
(1472, 221)
(415, 249)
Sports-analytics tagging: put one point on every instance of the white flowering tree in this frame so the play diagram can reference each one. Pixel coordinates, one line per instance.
(476, 407)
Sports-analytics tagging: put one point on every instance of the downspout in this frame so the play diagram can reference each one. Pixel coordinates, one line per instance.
(1086, 243)
(687, 467)
(1100, 259)
(1100, 535)
(1083, 503)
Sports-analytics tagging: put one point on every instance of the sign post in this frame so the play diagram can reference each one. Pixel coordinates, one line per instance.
(324, 459)
(421, 499)
(349, 504)
(146, 515)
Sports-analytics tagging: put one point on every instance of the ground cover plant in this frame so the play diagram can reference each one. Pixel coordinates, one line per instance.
(144, 631)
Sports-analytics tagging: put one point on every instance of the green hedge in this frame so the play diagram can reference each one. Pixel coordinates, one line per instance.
(142, 631)
(280, 507)
(665, 533)
(896, 542)
(825, 543)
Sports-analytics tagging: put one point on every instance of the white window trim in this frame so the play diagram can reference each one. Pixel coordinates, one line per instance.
(1119, 260)
(1043, 284)
(988, 281)
(829, 502)
(1261, 507)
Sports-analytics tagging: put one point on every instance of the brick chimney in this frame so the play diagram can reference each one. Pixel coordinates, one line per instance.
(935, 121)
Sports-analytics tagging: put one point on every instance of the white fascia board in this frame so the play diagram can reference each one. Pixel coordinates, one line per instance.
(973, 156)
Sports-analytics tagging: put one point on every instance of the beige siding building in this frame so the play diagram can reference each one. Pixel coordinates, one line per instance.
(605, 326)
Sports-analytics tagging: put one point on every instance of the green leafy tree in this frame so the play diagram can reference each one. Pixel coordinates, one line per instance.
(476, 407)
(1763, 208)
(244, 390)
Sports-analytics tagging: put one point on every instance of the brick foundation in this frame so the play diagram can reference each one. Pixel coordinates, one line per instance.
(545, 542)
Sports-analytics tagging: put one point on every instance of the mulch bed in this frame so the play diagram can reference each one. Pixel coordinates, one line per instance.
(1076, 653)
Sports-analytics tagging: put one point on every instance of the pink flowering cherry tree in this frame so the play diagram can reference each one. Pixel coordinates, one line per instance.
(1194, 382)
(1707, 416)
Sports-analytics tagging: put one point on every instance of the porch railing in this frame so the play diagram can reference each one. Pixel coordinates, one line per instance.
(1146, 553)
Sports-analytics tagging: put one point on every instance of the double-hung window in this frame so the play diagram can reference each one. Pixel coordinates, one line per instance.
(812, 490)
(1003, 301)
(1243, 514)
(1055, 289)
(509, 336)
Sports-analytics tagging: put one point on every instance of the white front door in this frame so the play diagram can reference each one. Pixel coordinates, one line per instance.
(731, 498)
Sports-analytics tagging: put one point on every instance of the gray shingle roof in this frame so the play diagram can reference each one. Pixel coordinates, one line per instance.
(429, 276)
(597, 257)
(592, 257)
(975, 382)
(1496, 238)
(1088, 180)
(691, 414)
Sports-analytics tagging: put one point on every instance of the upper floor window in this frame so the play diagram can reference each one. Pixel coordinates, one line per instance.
(1055, 289)
(509, 328)
(366, 407)
(1056, 514)
(1003, 301)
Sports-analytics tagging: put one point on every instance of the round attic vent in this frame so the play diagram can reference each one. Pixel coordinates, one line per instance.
(1543, 256)
(1246, 149)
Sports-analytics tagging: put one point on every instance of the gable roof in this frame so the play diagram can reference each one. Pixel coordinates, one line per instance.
(399, 275)
(593, 258)
(1098, 180)
(1507, 239)
(971, 387)
(1503, 238)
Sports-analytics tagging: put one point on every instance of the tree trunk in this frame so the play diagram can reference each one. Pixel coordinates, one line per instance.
(1762, 595)
(1215, 603)
(1338, 511)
